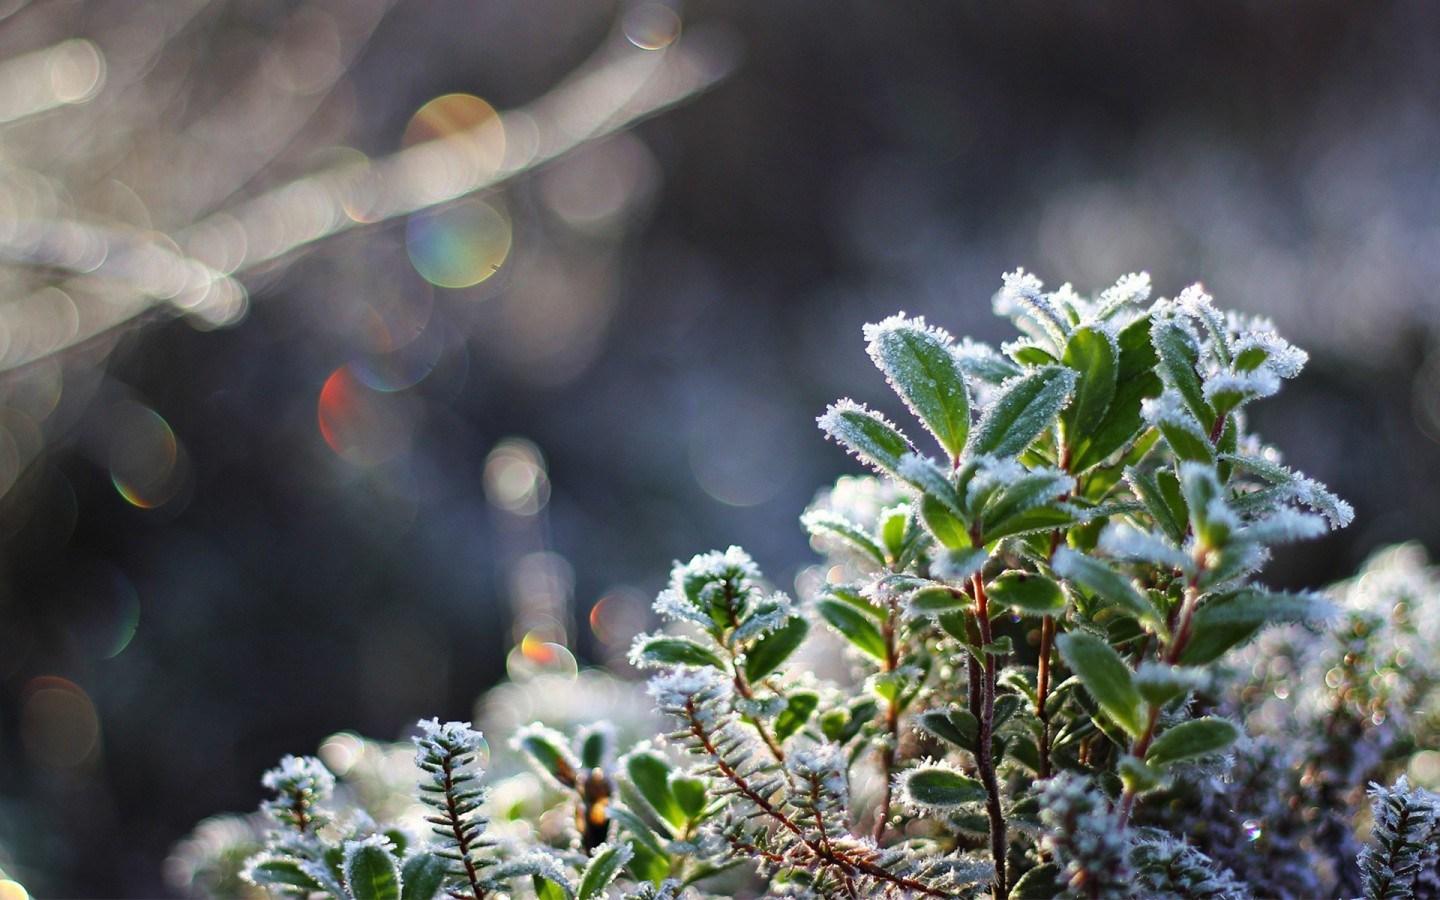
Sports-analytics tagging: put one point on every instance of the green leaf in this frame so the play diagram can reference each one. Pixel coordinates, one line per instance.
(635, 826)
(1226, 622)
(1178, 357)
(1025, 493)
(1105, 676)
(936, 786)
(283, 873)
(1159, 683)
(956, 725)
(1202, 491)
(935, 600)
(799, 706)
(545, 889)
(821, 524)
(1027, 592)
(1108, 585)
(595, 747)
(921, 368)
(849, 595)
(646, 864)
(1025, 408)
(867, 435)
(650, 774)
(853, 626)
(603, 867)
(371, 873)
(689, 791)
(1095, 358)
(946, 527)
(1138, 776)
(422, 877)
(1041, 518)
(1135, 382)
(770, 652)
(1198, 737)
(1159, 490)
(678, 651)
(1044, 882)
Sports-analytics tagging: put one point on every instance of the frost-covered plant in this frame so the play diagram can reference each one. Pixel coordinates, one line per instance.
(1048, 610)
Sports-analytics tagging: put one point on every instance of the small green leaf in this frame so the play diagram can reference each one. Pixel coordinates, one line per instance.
(853, 626)
(1044, 882)
(1178, 357)
(422, 877)
(1027, 592)
(1135, 382)
(799, 706)
(545, 889)
(932, 601)
(678, 651)
(1025, 408)
(946, 527)
(921, 368)
(1159, 490)
(956, 725)
(1105, 676)
(650, 774)
(283, 873)
(646, 864)
(689, 791)
(822, 524)
(635, 826)
(604, 865)
(1138, 776)
(371, 873)
(1226, 622)
(1197, 737)
(595, 747)
(850, 596)
(770, 652)
(1095, 358)
(1041, 518)
(936, 786)
(1109, 585)
(1020, 496)
(867, 435)
(1211, 520)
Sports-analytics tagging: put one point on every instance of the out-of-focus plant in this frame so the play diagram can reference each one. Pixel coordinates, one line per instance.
(1047, 626)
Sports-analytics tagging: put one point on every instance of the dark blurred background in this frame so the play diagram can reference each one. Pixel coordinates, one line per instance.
(434, 448)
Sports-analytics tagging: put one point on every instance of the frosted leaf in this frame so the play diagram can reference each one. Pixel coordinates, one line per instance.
(1129, 290)
(937, 787)
(457, 735)
(917, 361)
(1168, 868)
(824, 764)
(1296, 487)
(1127, 542)
(1022, 297)
(1024, 407)
(1406, 835)
(1194, 301)
(984, 364)
(300, 774)
(1241, 387)
(865, 434)
(676, 689)
(1283, 527)
(768, 616)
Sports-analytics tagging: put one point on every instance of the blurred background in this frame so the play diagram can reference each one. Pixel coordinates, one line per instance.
(358, 354)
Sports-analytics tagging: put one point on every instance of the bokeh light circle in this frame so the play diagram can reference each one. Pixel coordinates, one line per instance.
(147, 463)
(459, 246)
(651, 26)
(58, 723)
(362, 425)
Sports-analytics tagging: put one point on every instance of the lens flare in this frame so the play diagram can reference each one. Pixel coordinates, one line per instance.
(58, 723)
(459, 246)
(536, 656)
(147, 464)
(102, 608)
(515, 478)
(652, 26)
(363, 426)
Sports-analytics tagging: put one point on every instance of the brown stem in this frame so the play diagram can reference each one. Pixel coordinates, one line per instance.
(984, 758)
(743, 688)
(843, 860)
(892, 729)
(1042, 692)
(457, 828)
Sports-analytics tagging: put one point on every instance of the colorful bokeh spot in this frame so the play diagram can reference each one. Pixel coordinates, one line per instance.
(459, 246)
(147, 464)
(362, 425)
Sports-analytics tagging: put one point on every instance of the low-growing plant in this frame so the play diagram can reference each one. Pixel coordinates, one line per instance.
(1052, 684)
